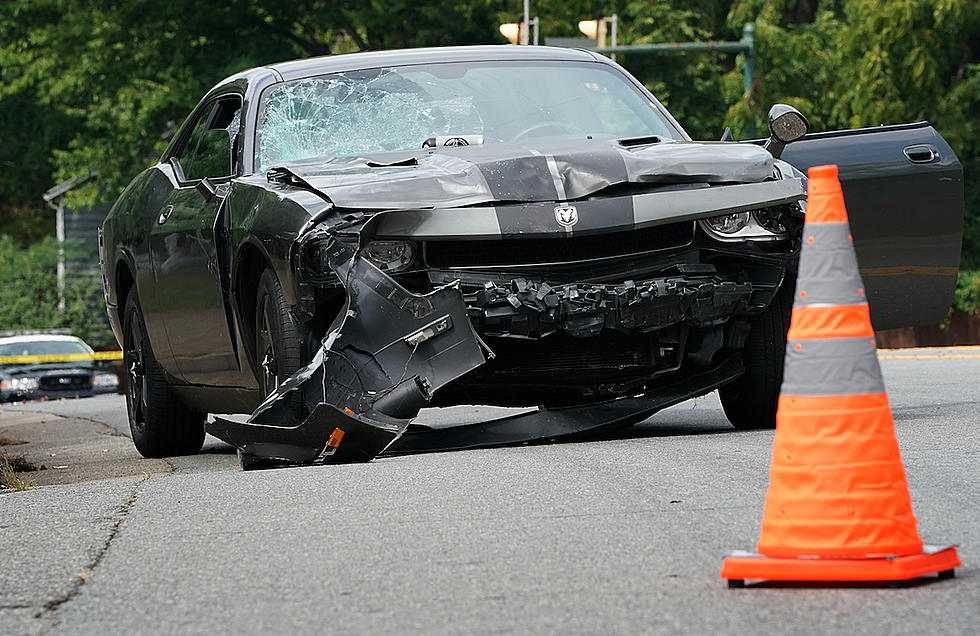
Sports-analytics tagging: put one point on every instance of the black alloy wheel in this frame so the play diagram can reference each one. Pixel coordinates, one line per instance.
(282, 344)
(161, 425)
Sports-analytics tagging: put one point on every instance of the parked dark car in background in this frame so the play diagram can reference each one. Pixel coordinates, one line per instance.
(520, 226)
(56, 367)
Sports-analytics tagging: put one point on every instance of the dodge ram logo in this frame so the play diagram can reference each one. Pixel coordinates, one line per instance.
(566, 215)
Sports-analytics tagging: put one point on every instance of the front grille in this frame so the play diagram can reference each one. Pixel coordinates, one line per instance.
(556, 249)
(65, 383)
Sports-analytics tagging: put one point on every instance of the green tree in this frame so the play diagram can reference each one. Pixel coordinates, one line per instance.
(91, 86)
(853, 63)
(29, 293)
(88, 86)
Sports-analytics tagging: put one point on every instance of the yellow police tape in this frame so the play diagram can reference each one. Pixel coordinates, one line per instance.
(62, 357)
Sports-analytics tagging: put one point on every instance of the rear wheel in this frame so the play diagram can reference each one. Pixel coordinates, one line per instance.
(750, 401)
(161, 424)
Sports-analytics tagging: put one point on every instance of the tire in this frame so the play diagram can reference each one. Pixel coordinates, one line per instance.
(750, 401)
(282, 347)
(161, 425)
(281, 343)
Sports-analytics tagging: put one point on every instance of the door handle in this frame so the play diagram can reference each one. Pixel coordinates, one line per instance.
(921, 153)
(167, 211)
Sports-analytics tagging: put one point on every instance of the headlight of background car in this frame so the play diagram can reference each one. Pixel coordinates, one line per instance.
(389, 255)
(768, 224)
(19, 384)
(105, 380)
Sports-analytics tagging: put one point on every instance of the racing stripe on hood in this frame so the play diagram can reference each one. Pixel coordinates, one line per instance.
(584, 172)
(520, 179)
(594, 215)
(540, 218)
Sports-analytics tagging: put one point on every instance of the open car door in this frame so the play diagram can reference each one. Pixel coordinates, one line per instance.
(903, 188)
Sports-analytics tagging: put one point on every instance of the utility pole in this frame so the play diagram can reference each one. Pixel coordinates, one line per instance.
(527, 22)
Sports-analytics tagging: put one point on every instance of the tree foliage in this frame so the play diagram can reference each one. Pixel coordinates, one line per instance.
(29, 297)
(85, 85)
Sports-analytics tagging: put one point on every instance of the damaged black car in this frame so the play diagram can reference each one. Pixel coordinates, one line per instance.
(332, 244)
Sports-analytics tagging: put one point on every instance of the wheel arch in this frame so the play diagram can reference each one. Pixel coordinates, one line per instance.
(125, 281)
(250, 262)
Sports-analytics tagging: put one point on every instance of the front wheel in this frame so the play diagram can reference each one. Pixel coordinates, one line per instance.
(282, 344)
(162, 426)
(750, 401)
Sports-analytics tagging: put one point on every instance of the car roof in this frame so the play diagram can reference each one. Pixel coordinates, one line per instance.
(40, 338)
(494, 52)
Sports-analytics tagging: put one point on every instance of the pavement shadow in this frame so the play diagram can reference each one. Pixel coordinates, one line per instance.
(847, 585)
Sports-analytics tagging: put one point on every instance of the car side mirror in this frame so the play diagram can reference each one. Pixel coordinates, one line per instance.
(786, 125)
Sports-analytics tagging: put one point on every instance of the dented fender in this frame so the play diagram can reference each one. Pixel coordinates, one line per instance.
(384, 356)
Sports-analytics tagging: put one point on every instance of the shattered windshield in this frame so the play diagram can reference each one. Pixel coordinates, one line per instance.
(407, 107)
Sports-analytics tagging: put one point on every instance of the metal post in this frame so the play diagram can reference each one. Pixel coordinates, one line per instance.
(60, 231)
(748, 73)
(527, 21)
(614, 20)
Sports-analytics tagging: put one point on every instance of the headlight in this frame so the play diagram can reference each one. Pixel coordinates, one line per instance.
(105, 379)
(767, 224)
(729, 223)
(772, 220)
(390, 256)
(19, 384)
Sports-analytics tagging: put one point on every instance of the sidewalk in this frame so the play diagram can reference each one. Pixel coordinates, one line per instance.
(73, 450)
(52, 538)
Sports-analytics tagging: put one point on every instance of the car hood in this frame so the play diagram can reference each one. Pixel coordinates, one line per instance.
(558, 171)
(54, 368)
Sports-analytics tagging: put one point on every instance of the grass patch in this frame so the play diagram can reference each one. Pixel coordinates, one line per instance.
(10, 465)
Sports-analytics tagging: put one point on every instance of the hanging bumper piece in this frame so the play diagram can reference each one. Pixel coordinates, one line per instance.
(378, 366)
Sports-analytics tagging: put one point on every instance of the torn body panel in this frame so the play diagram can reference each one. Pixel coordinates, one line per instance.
(391, 349)
(388, 351)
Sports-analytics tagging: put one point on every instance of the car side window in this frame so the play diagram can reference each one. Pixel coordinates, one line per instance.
(209, 150)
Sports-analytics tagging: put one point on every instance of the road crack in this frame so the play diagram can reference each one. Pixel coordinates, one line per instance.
(79, 580)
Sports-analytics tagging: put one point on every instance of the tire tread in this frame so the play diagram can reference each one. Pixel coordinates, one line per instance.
(171, 428)
(750, 401)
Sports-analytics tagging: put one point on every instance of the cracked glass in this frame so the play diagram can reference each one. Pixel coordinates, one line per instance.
(401, 108)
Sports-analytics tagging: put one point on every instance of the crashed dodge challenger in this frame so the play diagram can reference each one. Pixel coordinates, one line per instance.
(333, 244)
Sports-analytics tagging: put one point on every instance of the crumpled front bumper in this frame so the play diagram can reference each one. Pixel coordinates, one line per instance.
(390, 349)
(530, 308)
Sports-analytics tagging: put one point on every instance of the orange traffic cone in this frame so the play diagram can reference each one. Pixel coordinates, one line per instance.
(838, 507)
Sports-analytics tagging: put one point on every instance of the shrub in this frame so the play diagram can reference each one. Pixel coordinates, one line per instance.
(29, 293)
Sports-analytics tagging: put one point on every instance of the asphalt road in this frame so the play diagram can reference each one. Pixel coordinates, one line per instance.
(609, 535)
